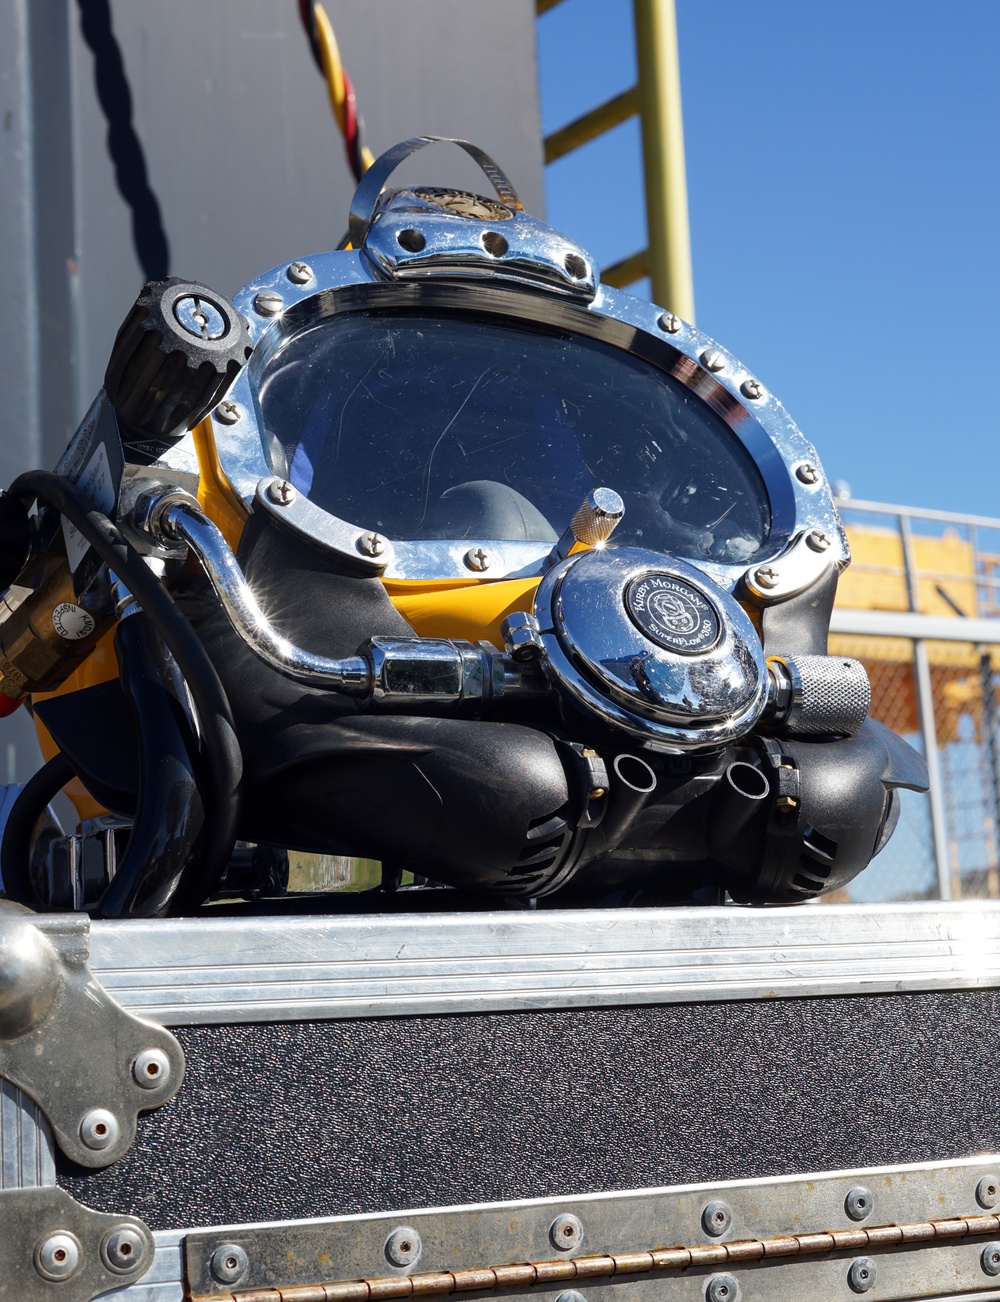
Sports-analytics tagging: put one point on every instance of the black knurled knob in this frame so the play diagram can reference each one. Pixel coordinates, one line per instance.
(177, 352)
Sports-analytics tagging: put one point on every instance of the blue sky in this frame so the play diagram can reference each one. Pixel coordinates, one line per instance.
(844, 187)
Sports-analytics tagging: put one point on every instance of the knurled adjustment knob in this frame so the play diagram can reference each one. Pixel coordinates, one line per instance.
(177, 352)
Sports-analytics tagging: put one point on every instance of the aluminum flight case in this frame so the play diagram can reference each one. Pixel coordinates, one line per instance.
(687, 1103)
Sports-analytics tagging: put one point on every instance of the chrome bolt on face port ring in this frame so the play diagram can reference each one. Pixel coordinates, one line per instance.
(669, 323)
(477, 559)
(403, 1247)
(229, 413)
(151, 1069)
(752, 389)
(713, 360)
(817, 540)
(566, 1232)
(859, 1203)
(299, 273)
(229, 1263)
(372, 544)
(268, 303)
(99, 1129)
(722, 1288)
(988, 1191)
(807, 473)
(716, 1218)
(58, 1255)
(123, 1250)
(766, 576)
(281, 492)
(861, 1276)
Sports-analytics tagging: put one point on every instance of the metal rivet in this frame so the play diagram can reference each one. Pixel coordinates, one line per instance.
(716, 1218)
(494, 244)
(988, 1191)
(752, 389)
(713, 360)
(58, 1255)
(123, 1249)
(476, 559)
(372, 544)
(766, 577)
(990, 1259)
(669, 323)
(151, 1069)
(410, 240)
(566, 1232)
(861, 1276)
(403, 1247)
(99, 1128)
(200, 317)
(817, 540)
(722, 1288)
(299, 273)
(281, 492)
(268, 303)
(859, 1203)
(575, 265)
(229, 1263)
(807, 473)
(229, 412)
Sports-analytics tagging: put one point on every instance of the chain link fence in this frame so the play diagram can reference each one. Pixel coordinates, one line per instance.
(941, 694)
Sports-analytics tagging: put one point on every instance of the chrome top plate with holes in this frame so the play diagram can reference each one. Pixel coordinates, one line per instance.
(212, 970)
(442, 276)
(89, 1065)
(460, 1239)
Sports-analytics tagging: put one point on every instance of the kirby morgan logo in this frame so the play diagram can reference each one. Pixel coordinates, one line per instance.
(673, 614)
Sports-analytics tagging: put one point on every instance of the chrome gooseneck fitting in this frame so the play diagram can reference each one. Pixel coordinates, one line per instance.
(391, 673)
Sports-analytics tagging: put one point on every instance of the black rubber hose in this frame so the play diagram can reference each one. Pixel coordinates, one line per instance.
(27, 809)
(225, 761)
(161, 867)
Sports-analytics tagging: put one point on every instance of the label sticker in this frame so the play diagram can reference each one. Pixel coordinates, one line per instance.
(96, 484)
(673, 614)
(72, 622)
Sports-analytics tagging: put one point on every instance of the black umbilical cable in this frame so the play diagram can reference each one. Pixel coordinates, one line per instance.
(27, 809)
(225, 760)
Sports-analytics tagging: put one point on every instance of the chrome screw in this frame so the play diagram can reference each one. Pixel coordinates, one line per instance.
(151, 1069)
(669, 323)
(99, 1129)
(229, 412)
(766, 577)
(58, 1255)
(268, 303)
(861, 1276)
(299, 273)
(566, 1232)
(372, 544)
(988, 1191)
(752, 389)
(716, 1218)
(229, 1263)
(722, 1288)
(807, 473)
(281, 492)
(817, 540)
(713, 360)
(859, 1203)
(200, 317)
(990, 1259)
(403, 1247)
(123, 1249)
(476, 559)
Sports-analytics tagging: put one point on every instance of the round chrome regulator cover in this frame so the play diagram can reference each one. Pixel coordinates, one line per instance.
(651, 646)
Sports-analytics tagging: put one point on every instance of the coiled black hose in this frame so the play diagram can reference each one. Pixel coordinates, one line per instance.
(225, 760)
(27, 809)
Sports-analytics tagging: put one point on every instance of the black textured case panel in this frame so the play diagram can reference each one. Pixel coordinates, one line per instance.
(294, 1120)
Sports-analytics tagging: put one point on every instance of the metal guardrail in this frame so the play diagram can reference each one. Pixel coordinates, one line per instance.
(975, 621)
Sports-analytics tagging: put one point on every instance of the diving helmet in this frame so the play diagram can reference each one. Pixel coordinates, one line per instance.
(436, 551)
